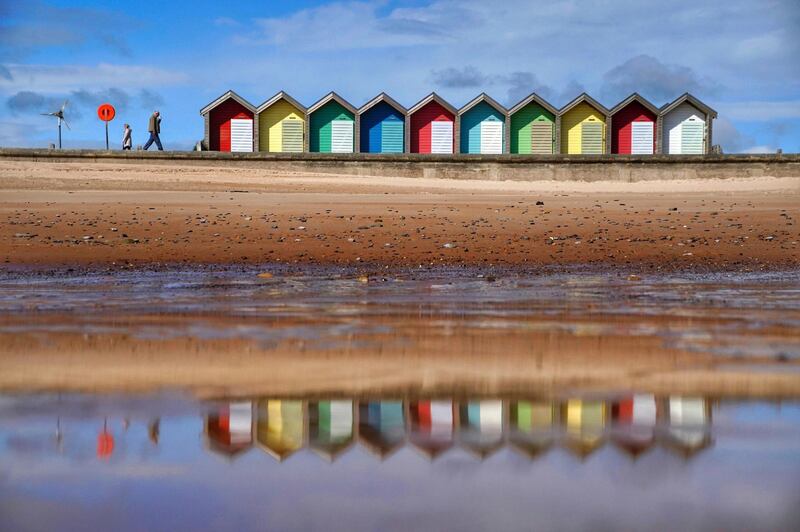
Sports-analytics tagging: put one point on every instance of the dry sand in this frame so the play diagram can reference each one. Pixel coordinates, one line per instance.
(100, 213)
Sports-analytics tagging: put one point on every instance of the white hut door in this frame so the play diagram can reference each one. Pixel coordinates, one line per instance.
(342, 136)
(441, 137)
(642, 138)
(692, 136)
(241, 134)
(491, 136)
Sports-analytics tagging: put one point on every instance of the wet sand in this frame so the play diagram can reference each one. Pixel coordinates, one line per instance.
(106, 214)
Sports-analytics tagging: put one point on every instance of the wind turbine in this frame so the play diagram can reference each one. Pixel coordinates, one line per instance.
(60, 115)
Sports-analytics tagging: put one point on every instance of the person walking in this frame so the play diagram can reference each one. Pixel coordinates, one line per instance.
(154, 127)
(127, 141)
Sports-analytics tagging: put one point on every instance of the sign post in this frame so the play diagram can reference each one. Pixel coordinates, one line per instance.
(106, 113)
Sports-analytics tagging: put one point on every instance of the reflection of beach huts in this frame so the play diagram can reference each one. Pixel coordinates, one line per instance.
(633, 126)
(585, 423)
(332, 125)
(432, 426)
(279, 426)
(533, 426)
(532, 127)
(432, 126)
(382, 125)
(228, 123)
(634, 423)
(583, 126)
(330, 427)
(689, 428)
(229, 428)
(482, 126)
(481, 426)
(281, 125)
(686, 126)
(381, 426)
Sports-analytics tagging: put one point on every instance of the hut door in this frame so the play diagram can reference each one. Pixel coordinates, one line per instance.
(692, 136)
(292, 135)
(642, 138)
(241, 134)
(592, 138)
(491, 136)
(392, 136)
(441, 137)
(342, 136)
(542, 138)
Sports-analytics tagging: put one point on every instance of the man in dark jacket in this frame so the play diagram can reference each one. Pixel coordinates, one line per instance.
(154, 127)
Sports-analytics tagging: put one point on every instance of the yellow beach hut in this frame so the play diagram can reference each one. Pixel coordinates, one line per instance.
(279, 427)
(584, 128)
(281, 125)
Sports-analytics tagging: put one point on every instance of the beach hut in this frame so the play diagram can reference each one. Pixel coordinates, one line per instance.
(332, 125)
(686, 126)
(229, 124)
(382, 125)
(481, 426)
(432, 126)
(583, 126)
(634, 420)
(281, 125)
(279, 427)
(229, 428)
(432, 426)
(482, 126)
(633, 126)
(330, 427)
(533, 426)
(585, 421)
(689, 425)
(381, 426)
(532, 125)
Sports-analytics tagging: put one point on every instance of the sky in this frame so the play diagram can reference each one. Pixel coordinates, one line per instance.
(738, 56)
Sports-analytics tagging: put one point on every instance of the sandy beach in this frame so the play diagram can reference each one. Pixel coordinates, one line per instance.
(55, 214)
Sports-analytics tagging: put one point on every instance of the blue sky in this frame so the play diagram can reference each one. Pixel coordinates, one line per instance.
(739, 56)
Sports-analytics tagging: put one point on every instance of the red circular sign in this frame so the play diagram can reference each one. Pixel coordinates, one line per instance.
(106, 112)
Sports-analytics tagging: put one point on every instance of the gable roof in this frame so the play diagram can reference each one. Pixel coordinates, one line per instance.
(483, 97)
(585, 98)
(686, 97)
(635, 97)
(275, 99)
(533, 97)
(226, 96)
(335, 97)
(383, 97)
(432, 97)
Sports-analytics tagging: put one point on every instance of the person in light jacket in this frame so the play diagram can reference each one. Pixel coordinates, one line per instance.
(127, 141)
(154, 127)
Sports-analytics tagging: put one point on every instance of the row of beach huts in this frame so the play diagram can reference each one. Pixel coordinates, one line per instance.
(483, 126)
(634, 423)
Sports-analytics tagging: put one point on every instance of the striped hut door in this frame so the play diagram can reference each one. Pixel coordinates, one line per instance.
(241, 134)
(492, 136)
(542, 138)
(342, 136)
(441, 137)
(392, 136)
(692, 137)
(292, 135)
(592, 138)
(642, 138)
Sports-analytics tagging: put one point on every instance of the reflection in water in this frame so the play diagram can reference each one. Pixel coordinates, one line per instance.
(464, 463)
(635, 423)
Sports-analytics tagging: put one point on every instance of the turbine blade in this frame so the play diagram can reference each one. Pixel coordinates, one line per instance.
(63, 106)
(65, 123)
(47, 114)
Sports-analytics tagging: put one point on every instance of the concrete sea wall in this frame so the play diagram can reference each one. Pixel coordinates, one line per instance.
(492, 167)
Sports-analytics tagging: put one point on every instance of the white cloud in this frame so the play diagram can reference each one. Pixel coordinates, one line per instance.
(759, 149)
(760, 111)
(59, 79)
